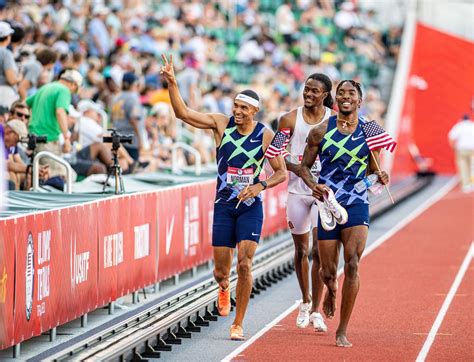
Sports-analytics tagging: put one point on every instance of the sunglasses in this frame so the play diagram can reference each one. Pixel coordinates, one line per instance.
(22, 115)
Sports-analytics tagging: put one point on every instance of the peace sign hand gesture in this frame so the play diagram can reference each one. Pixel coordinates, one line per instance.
(167, 71)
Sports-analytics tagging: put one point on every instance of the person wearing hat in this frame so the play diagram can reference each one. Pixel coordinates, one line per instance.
(49, 108)
(9, 75)
(15, 131)
(128, 115)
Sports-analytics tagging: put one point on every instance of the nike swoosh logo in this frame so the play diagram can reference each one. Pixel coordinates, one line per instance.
(366, 223)
(217, 201)
(355, 139)
(169, 235)
(253, 234)
(253, 141)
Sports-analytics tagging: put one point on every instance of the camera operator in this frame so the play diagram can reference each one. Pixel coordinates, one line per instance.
(49, 115)
(15, 131)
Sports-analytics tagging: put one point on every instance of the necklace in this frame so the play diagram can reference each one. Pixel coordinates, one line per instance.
(346, 124)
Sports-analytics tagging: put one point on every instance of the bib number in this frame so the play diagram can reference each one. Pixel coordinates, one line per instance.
(242, 176)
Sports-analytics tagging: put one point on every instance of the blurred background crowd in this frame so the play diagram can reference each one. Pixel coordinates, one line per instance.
(71, 69)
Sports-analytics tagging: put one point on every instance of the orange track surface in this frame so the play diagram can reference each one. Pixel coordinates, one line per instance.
(403, 285)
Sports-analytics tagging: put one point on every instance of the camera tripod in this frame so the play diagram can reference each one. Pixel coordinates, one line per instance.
(115, 171)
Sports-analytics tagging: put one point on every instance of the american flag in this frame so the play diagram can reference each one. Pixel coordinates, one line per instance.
(278, 144)
(376, 137)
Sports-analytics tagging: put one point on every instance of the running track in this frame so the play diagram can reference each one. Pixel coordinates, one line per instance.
(408, 305)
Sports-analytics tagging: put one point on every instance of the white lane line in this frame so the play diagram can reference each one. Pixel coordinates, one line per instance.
(415, 213)
(447, 302)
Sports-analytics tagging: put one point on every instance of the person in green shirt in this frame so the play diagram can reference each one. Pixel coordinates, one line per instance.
(49, 118)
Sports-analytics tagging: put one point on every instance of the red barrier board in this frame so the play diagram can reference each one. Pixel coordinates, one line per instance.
(7, 278)
(141, 240)
(208, 192)
(170, 232)
(80, 256)
(111, 228)
(39, 271)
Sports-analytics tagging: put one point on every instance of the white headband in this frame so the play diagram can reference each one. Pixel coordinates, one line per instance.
(247, 99)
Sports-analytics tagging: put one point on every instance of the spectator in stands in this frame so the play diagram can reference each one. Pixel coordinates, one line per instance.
(35, 69)
(128, 114)
(9, 76)
(461, 139)
(20, 110)
(49, 108)
(98, 35)
(15, 132)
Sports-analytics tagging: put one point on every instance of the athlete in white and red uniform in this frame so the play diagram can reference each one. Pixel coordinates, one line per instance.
(302, 211)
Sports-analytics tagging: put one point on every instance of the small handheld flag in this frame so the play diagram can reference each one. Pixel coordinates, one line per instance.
(278, 144)
(376, 137)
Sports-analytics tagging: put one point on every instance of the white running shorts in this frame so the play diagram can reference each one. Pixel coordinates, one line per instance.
(301, 213)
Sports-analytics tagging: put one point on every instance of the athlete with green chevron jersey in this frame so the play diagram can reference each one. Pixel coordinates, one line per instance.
(343, 212)
(241, 145)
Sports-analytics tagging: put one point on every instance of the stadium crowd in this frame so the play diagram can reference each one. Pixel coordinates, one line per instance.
(70, 69)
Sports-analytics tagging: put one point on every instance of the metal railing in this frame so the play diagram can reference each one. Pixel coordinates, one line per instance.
(52, 156)
(190, 149)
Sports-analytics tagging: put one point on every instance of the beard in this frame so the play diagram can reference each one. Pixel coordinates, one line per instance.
(345, 113)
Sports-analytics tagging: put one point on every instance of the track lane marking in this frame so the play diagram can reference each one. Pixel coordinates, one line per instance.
(409, 218)
(447, 302)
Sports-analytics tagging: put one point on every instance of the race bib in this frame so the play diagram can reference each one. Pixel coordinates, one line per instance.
(315, 169)
(243, 176)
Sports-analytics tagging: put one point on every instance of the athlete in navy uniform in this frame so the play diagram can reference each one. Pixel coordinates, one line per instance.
(241, 144)
(345, 160)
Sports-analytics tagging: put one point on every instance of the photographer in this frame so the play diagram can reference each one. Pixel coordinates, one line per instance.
(15, 132)
(48, 115)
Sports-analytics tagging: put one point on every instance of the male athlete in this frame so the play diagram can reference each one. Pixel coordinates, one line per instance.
(301, 210)
(345, 160)
(241, 144)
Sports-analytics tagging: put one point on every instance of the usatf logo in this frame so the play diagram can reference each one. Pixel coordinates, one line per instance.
(30, 276)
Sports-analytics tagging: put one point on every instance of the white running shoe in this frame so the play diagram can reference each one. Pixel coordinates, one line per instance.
(302, 321)
(339, 213)
(327, 218)
(318, 322)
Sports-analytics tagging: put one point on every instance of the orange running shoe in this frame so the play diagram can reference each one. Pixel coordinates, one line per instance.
(236, 333)
(223, 301)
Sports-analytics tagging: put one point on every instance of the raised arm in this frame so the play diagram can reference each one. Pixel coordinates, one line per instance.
(288, 121)
(183, 112)
(309, 157)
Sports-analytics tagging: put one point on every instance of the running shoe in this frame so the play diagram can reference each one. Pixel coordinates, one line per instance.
(318, 322)
(302, 321)
(339, 213)
(223, 301)
(236, 333)
(327, 218)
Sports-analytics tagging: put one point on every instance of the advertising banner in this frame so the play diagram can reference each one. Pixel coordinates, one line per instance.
(80, 258)
(40, 263)
(141, 240)
(208, 192)
(7, 278)
(112, 226)
(170, 231)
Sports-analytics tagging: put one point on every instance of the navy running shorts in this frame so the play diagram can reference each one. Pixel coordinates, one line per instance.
(358, 214)
(232, 225)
